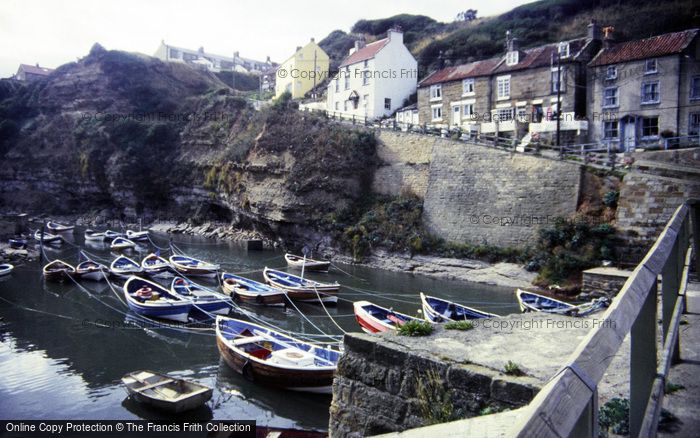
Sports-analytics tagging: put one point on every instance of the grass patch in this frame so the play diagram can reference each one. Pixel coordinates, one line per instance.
(512, 369)
(673, 387)
(434, 399)
(459, 325)
(415, 327)
(490, 409)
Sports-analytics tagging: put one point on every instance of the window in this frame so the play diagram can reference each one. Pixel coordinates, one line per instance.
(436, 92)
(503, 87)
(337, 106)
(387, 103)
(337, 85)
(650, 92)
(468, 86)
(694, 124)
(564, 50)
(365, 77)
(365, 100)
(345, 105)
(555, 80)
(522, 114)
(611, 72)
(610, 97)
(512, 58)
(650, 126)
(468, 110)
(610, 129)
(504, 114)
(650, 67)
(695, 88)
(347, 78)
(436, 112)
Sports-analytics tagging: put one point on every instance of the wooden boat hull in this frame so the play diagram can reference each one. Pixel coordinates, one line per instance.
(6, 269)
(454, 311)
(203, 270)
(251, 291)
(92, 275)
(309, 294)
(371, 323)
(174, 311)
(93, 236)
(59, 228)
(48, 238)
(58, 271)
(532, 302)
(297, 262)
(140, 236)
(160, 269)
(298, 380)
(316, 379)
(157, 397)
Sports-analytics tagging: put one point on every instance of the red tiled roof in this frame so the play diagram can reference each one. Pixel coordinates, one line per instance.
(463, 71)
(541, 56)
(35, 70)
(660, 45)
(367, 52)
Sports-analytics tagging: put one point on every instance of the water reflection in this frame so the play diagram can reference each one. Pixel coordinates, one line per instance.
(65, 348)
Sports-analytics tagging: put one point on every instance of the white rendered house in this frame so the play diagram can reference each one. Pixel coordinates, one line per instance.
(374, 80)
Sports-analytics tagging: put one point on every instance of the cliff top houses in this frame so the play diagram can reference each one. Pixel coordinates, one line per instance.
(212, 62)
(374, 80)
(29, 73)
(627, 93)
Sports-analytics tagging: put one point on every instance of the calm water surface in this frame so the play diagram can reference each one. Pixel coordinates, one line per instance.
(56, 364)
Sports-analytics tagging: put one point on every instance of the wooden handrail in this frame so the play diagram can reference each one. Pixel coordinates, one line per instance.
(567, 404)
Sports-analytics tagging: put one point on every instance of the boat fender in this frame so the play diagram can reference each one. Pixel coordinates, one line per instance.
(247, 371)
(259, 299)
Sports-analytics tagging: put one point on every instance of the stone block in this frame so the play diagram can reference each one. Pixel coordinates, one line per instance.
(509, 390)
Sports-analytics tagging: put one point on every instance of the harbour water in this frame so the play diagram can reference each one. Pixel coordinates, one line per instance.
(63, 348)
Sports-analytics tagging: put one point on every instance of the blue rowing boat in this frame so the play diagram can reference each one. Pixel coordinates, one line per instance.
(251, 291)
(302, 289)
(532, 302)
(204, 300)
(439, 310)
(152, 300)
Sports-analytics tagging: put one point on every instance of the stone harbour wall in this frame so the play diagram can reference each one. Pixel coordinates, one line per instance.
(483, 195)
(405, 162)
(602, 282)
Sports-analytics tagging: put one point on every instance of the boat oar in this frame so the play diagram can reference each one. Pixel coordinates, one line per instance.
(286, 345)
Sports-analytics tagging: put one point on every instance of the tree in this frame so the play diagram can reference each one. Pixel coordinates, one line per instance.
(468, 15)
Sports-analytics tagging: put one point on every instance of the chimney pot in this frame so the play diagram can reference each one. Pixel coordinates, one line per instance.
(608, 37)
(594, 32)
(313, 40)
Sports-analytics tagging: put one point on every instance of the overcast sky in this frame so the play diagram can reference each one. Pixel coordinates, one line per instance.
(52, 32)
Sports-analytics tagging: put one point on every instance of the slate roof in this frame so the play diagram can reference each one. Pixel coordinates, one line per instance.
(367, 52)
(463, 71)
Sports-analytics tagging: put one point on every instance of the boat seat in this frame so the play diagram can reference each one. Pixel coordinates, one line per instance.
(153, 385)
(248, 340)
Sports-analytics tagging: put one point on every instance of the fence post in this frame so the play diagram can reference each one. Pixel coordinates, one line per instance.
(694, 205)
(587, 424)
(669, 293)
(642, 360)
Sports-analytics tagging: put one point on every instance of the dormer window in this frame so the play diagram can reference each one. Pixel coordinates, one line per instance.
(611, 72)
(512, 57)
(650, 67)
(436, 92)
(564, 50)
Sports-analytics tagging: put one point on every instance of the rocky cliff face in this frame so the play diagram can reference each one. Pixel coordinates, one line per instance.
(130, 135)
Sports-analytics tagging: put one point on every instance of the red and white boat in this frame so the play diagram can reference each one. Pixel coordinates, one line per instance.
(374, 319)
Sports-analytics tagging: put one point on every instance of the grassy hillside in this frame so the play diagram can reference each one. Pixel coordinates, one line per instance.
(435, 44)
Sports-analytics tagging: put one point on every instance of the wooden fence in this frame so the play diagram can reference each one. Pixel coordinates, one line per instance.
(568, 404)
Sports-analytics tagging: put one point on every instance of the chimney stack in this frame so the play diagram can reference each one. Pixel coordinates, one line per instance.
(395, 33)
(313, 40)
(298, 48)
(594, 32)
(511, 42)
(608, 37)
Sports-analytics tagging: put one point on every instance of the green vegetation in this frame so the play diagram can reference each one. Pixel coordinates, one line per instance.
(459, 325)
(613, 417)
(415, 327)
(434, 399)
(673, 387)
(610, 198)
(491, 409)
(394, 223)
(513, 369)
(239, 81)
(568, 247)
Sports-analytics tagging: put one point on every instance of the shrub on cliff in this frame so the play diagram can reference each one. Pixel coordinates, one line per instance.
(569, 247)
